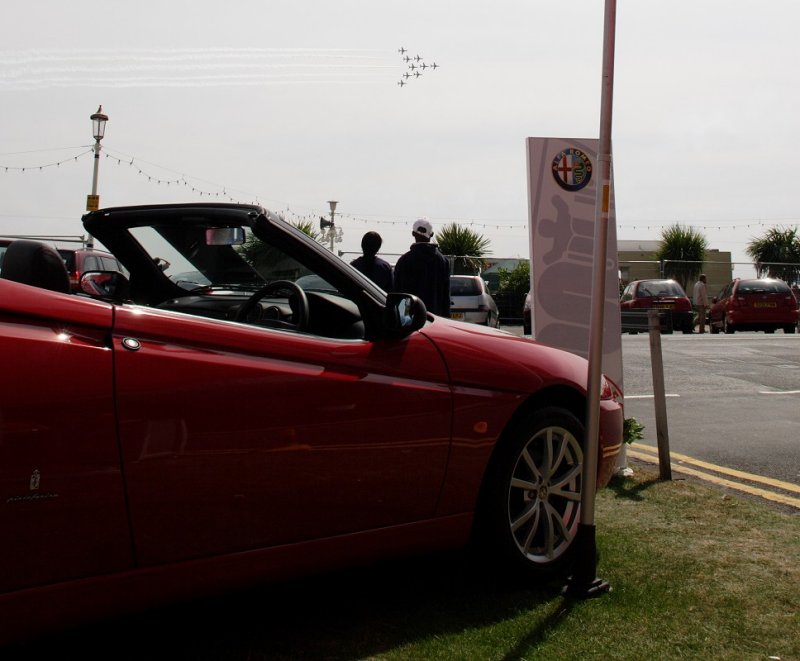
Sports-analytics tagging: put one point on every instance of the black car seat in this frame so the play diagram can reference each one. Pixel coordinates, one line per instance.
(36, 264)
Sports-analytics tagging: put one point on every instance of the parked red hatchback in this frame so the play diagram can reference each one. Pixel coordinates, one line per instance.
(764, 304)
(662, 294)
(80, 261)
(238, 427)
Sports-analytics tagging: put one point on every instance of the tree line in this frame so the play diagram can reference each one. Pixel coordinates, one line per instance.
(682, 250)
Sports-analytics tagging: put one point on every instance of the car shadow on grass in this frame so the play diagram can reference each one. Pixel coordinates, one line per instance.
(352, 614)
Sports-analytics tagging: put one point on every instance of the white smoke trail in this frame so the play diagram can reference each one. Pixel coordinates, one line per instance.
(188, 67)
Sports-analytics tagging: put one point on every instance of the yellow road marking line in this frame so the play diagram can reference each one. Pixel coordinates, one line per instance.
(753, 491)
(751, 477)
(649, 396)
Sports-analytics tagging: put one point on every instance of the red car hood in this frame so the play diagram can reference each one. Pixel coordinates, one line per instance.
(487, 357)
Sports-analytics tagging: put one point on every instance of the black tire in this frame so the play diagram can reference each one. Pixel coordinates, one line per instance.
(727, 326)
(789, 329)
(530, 506)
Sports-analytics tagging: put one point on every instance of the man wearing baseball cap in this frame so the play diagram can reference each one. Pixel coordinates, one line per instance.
(424, 271)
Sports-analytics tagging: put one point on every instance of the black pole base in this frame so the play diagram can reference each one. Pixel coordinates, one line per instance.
(584, 584)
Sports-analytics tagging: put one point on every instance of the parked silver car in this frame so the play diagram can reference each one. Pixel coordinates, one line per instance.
(471, 301)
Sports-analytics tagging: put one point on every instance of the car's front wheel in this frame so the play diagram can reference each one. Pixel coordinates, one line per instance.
(727, 326)
(531, 502)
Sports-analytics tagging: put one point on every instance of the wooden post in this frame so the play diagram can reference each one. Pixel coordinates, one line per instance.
(659, 395)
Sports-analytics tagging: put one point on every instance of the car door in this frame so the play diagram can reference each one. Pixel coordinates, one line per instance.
(62, 504)
(237, 437)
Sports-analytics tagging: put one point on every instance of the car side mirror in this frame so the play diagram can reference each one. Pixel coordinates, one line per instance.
(404, 313)
(111, 285)
(714, 300)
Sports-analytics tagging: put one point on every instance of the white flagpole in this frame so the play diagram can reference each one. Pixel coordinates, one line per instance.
(584, 581)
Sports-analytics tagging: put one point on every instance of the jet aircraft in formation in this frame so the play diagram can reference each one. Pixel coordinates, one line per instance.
(416, 66)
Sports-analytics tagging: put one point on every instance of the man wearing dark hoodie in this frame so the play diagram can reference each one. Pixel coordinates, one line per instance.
(376, 269)
(424, 271)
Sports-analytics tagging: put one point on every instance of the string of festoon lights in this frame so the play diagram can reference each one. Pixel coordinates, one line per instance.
(44, 166)
(222, 192)
(312, 215)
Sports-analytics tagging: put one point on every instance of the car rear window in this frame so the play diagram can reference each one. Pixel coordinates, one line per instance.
(464, 287)
(763, 287)
(659, 288)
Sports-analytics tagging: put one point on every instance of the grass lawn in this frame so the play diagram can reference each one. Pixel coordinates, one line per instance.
(696, 573)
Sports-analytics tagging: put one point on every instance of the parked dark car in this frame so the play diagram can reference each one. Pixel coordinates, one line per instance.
(658, 294)
(526, 315)
(253, 429)
(3, 245)
(764, 304)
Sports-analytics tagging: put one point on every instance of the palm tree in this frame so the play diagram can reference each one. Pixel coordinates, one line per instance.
(258, 254)
(308, 228)
(682, 251)
(777, 254)
(466, 246)
(261, 255)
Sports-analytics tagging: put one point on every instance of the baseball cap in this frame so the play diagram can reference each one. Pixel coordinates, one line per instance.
(423, 227)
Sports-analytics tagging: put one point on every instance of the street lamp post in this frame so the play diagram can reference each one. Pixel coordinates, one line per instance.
(332, 232)
(99, 120)
(328, 227)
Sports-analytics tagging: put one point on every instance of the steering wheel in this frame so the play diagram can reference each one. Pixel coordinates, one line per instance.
(299, 311)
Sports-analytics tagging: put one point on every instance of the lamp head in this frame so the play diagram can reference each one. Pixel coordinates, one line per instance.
(99, 120)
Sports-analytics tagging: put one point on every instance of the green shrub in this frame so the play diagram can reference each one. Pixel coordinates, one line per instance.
(632, 430)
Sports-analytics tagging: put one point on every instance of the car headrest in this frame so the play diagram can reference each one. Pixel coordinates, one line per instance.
(36, 264)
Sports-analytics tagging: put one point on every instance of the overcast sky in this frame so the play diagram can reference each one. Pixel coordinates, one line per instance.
(292, 104)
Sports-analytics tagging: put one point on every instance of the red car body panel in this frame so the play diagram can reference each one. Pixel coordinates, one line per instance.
(200, 455)
(207, 454)
(481, 413)
(61, 490)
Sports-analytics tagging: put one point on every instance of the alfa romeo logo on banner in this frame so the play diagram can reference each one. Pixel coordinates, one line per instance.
(572, 169)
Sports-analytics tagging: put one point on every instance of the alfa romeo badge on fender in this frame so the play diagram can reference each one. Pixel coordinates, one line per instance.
(572, 169)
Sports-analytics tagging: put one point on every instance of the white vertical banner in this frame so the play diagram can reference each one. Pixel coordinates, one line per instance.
(562, 185)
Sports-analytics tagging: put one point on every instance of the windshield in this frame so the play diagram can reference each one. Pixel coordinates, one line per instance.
(188, 258)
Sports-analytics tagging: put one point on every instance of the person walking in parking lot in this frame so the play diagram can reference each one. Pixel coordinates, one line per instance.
(424, 271)
(376, 269)
(700, 297)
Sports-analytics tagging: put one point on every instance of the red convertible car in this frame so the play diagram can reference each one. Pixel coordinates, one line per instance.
(233, 426)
